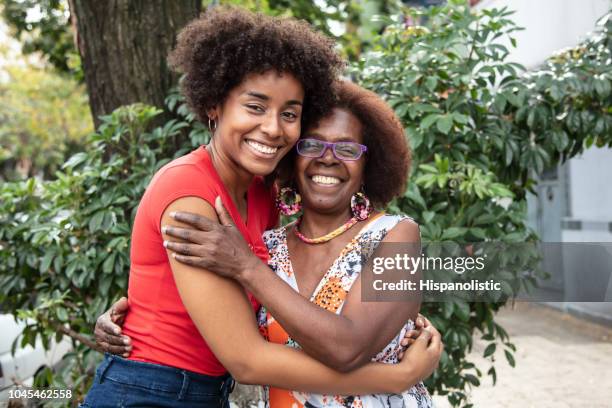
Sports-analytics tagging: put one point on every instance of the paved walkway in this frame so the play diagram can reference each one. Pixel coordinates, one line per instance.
(561, 362)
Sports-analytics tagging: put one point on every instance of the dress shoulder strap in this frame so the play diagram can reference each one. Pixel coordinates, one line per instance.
(376, 231)
(384, 224)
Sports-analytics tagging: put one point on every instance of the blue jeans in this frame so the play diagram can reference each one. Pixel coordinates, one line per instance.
(126, 383)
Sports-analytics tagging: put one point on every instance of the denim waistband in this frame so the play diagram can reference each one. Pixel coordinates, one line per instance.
(156, 377)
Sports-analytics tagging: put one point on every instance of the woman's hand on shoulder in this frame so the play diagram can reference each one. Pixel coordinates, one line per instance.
(108, 330)
(216, 247)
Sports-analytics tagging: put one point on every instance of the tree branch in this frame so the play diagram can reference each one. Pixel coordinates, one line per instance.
(77, 336)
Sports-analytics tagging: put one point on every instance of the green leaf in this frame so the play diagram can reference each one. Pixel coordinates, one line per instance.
(105, 283)
(602, 87)
(489, 350)
(70, 268)
(58, 263)
(573, 121)
(416, 138)
(478, 233)
(462, 309)
(46, 261)
(439, 206)
(429, 168)
(493, 374)
(426, 180)
(108, 220)
(555, 93)
(431, 82)
(449, 308)
(428, 216)
(484, 219)
(472, 379)
(62, 314)
(499, 190)
(75, 160)
(96, 221)
(560, 140)
(510, 358)
(429, 120)
(514, 237)
(461, 118)
(500, 103)
(532, 118)
(444, 123)
(452, 232)
(413, 194)
(509, 154)
(109, 263)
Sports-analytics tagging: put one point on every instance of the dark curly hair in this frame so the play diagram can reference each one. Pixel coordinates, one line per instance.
(218, 49)
(388, 157)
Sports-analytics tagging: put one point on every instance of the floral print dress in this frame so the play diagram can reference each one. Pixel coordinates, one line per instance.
(330, 294)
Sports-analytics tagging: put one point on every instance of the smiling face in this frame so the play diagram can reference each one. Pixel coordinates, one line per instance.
(326, 184)
(259, 121)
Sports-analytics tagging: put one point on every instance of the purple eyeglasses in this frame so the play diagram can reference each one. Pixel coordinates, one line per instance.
(316, 148)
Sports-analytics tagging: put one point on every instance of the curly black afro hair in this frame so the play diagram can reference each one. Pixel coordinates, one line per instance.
(218, 49)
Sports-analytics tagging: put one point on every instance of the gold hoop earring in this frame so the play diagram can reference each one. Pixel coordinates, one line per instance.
(212, 128)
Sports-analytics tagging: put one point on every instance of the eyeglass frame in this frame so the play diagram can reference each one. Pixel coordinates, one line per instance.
(332, 146)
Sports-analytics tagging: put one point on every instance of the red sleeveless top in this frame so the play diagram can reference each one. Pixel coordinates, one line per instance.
(158, 323)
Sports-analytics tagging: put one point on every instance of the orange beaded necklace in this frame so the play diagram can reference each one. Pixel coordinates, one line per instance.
(327, 237)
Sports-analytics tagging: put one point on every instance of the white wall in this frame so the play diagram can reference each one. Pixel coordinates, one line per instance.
(550, 25)
(590, 183)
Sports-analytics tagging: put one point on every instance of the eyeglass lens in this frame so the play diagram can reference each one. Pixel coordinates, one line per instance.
(316, 148)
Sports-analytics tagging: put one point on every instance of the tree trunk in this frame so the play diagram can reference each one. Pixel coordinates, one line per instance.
(124, 45)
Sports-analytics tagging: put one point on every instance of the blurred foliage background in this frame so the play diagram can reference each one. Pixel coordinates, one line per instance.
(480, 126)
(44, 118)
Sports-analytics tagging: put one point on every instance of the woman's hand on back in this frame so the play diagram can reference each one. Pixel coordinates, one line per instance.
(108, 330)
(411, 335)
(422, 357)
(219, 248)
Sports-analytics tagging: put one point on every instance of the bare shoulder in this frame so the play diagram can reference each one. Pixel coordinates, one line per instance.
(406, 230)
(196, 205)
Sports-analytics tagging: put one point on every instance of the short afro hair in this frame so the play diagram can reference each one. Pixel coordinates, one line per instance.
(388, 157)
(218, 49)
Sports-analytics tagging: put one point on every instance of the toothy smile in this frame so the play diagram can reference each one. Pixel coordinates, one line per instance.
(262, 148)
(326, 180)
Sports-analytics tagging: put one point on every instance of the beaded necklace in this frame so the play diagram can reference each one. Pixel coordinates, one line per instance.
(327, 237)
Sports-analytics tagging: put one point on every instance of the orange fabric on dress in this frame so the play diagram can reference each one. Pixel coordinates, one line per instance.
(330, 297)
(158, 323)
(278, 396)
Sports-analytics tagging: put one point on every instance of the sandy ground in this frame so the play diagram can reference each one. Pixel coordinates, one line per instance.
(561, 361)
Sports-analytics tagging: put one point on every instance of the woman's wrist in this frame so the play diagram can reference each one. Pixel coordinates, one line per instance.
(405, 378)
(249, 273)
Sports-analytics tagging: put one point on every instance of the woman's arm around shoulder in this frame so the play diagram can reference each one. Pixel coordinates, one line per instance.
(350, 339)
(221, 312)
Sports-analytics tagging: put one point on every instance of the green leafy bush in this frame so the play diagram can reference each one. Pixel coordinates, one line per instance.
(480, 130)
(64, 255)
